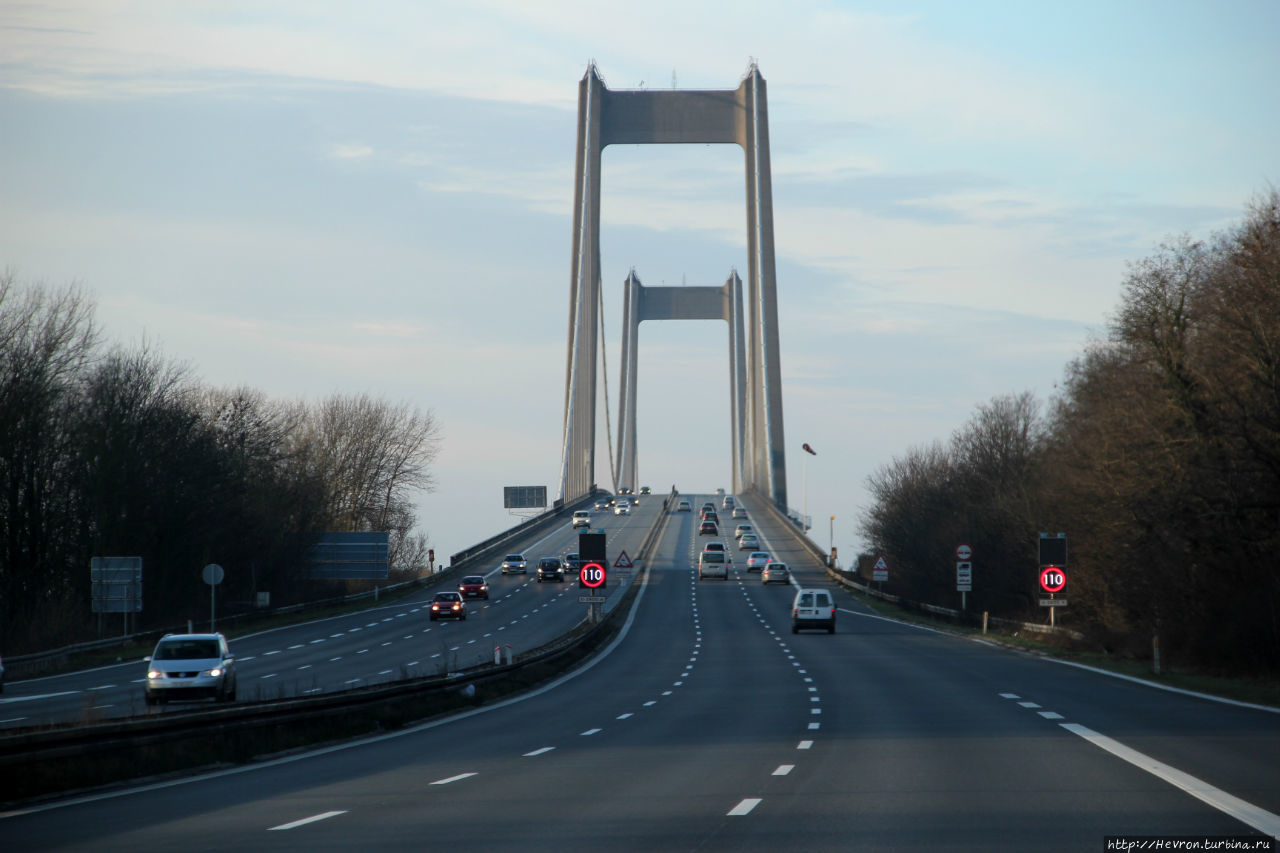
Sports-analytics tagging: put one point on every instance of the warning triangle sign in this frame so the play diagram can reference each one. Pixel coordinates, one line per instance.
(623, 561)
(881, 564)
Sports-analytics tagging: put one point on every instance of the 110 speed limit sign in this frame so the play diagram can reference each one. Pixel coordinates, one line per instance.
(1053, 579)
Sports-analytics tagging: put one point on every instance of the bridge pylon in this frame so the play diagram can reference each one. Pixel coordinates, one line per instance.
(738, 116)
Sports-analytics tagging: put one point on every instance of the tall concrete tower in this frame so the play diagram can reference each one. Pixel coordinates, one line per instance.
(738, 116)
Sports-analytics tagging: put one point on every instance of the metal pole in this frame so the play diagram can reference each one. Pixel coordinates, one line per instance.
(212, 589)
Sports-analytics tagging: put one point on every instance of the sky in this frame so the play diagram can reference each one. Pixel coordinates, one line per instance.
(311, 198)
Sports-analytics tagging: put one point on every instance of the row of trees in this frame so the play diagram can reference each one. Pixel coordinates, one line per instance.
(108, 451)
(1160, 458)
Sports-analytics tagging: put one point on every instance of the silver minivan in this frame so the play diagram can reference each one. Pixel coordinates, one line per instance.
(813, 608)
(713, 564)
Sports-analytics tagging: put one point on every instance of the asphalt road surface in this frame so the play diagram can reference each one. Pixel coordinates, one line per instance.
(709, 725)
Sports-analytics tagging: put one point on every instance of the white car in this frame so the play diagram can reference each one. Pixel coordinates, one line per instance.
(684, 506)
(757, 561)
(190, 666)
(513, 563)
(748, 542)
(623, 508)
(713, 564)
(581, 518)
(742, 529)
(813, 608)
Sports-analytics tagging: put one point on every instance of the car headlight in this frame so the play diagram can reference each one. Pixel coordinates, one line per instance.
(214, 673)
(154, 674)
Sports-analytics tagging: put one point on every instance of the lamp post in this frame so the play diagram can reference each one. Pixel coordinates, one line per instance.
(831, 540)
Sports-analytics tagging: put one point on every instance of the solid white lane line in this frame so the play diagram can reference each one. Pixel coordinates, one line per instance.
(457, 778)
(545, 749)
(784, 769)
(1260, 819)
(306, 820)
(744, 807)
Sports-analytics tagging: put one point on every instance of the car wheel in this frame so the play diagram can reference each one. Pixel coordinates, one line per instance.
(831, 629)
(795, 629)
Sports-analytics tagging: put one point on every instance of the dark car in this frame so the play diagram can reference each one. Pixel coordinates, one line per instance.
(448, 605)
(572, 562)
(550, 569)
(474, 586)
(709, 527)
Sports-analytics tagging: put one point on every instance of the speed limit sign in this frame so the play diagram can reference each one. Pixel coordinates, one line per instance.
(1053, 579)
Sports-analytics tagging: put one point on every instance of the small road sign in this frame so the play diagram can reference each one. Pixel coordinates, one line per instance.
(592, 599)
(1053, 579)
(1053, 602)
(964, 553)
(623, 561)
(592, 575)
(880, 571)
(964, 577)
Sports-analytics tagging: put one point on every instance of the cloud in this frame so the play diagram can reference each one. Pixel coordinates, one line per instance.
(350, 152)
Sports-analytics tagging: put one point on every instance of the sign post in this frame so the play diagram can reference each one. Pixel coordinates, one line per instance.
(212, 575)
(964, 574)
(1053, 571)
(880, 571)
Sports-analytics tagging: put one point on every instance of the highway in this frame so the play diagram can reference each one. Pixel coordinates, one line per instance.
(372, 646)
(708, 725)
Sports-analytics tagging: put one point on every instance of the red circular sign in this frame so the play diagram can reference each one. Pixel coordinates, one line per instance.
(1053, 579)
(592, 575)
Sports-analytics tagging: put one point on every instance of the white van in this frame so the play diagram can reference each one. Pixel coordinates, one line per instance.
(813, 608)
(713, 564)
(581, 518)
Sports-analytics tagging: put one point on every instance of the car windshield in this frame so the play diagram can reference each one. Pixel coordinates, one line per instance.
(550, 564)
(514, 558)
(475, 579)
(446, 596)
(187, 650)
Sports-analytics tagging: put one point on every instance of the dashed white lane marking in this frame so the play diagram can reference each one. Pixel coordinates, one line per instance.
(452, 779)
(1260, 819)
(813, 727)
(1050, 715)
(784, 769)
(805, 744)
(624, 716)
(1010, 696)
(744, 807)
(306, 820)
(545, 749)
(591, 732)
(1029, 704)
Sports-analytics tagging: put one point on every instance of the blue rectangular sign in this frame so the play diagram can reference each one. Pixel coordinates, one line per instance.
(350, 556)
